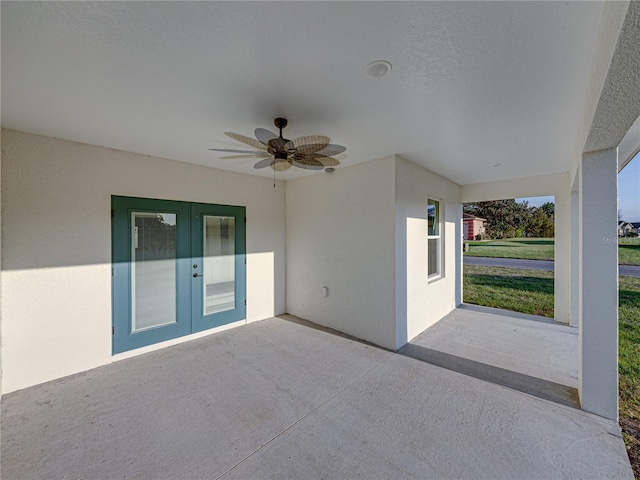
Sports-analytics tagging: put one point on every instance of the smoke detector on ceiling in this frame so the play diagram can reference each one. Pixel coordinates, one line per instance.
(377, 69)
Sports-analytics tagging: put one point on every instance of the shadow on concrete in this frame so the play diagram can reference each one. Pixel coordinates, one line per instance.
(537, 387)
(301, 321)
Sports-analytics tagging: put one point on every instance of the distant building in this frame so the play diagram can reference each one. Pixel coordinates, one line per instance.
(472, 226)
(624, 228)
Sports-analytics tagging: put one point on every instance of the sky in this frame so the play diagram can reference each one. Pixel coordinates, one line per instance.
(535, 201)
(628, 192)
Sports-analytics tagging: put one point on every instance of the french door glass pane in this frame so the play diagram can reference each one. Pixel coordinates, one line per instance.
(219, 264)
(153, 269)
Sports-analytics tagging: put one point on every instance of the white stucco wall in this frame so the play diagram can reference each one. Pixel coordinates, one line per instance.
(340, 235)
(362, 233)
(56, 248)
(421, 303)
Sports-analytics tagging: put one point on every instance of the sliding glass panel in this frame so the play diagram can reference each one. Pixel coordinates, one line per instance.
(219, 271)
(153, 269)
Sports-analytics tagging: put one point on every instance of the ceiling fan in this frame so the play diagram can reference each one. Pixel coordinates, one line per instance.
(312, 152)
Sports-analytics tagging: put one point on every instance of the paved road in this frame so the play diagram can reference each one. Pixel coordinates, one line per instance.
(627, 270)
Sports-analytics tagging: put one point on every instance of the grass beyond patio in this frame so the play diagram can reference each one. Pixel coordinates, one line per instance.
(542, 249)
(529, 248)
(519, 290)
(629, 251)
(531, 291)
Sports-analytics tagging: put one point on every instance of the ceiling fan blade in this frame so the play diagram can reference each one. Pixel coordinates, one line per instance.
(315, 159)
(228, 150)
(246, 140)
(326, 160)
(307, 167)
(312, 152)
(264, 135)
(316, 140)
(311, 139)
(307, 160)
(280, 165)
(331, 150)
(263, 163)
(310, 148)
(240, 157)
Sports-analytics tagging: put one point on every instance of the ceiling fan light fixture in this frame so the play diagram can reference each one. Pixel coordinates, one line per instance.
(378, 69)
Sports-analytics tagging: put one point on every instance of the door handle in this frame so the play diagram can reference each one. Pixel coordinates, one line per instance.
(196, 275)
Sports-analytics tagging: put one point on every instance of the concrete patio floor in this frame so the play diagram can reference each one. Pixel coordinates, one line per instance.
(277, 399)
(528, 353)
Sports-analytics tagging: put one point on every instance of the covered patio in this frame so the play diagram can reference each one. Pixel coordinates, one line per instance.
(278, 399)
(116, 121)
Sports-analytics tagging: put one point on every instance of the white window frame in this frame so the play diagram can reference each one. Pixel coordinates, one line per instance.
(438, 237)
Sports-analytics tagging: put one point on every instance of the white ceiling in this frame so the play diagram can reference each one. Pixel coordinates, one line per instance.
(473, 84)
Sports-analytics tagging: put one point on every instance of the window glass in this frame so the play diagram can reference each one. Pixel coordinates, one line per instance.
(434, 243)
(432, 258)
(433, 217)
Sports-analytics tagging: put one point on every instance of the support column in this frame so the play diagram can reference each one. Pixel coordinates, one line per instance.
(575, 255)
(562, 256)
(598, 303)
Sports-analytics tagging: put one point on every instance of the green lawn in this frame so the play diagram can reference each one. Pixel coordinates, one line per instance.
(629, 366)
(629, 251)
(530, 248)
(531, 291)
(542, 249)
(520, 290)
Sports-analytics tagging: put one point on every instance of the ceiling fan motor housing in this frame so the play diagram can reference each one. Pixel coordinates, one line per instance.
(276, 146)
(280, 154)
(280, 122)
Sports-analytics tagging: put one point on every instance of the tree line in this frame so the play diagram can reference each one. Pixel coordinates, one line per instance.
(510, 219)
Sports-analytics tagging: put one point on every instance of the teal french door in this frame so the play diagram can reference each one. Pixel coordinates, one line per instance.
(178, 268)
